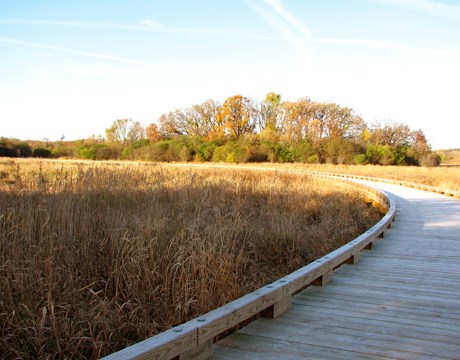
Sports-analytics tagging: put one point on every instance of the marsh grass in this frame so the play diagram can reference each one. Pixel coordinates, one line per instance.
(94, 257)
(444, 177)
(447, 177)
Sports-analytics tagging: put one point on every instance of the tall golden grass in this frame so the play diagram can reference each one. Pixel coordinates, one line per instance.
(447, 177)
(444, 177)
(94, 257)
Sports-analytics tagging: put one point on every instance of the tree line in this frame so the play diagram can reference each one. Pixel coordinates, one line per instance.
(243, 130)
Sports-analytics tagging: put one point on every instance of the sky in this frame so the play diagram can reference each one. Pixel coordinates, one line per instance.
(70, 68)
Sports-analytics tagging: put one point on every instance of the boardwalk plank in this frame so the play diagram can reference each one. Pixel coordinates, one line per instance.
(395, 320)
(384, 302)
(388, 323)
(246, 346)
(343, 339)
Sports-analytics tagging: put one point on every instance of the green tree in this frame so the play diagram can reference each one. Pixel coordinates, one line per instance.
(269, 113)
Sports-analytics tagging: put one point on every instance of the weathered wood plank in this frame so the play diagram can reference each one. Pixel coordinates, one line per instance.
(360, 299)
(372, 334)
(331, 337)
(394, 319)
(245, 346)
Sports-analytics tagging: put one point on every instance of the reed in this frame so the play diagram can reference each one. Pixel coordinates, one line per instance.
(97, 256)
(447, 177)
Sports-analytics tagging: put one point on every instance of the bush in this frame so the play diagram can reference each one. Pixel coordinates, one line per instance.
(24, 150)
(130, 152)
(158, 151)
(105, 152)
(302, 152)
(178, 151)
(232, 152)
(430, 159)
(42, 153)
(313, 159)
(202, 149)
(339, 151)
(61, 150)
(360, 159)
(98, 152)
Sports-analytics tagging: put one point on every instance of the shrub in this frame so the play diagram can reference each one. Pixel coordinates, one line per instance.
(98, 152)
(338, 151)
(202, 149)
(360, 159)
(42, 153)
(430, 159)
(105, 152)
(301, 152)
(232, 152)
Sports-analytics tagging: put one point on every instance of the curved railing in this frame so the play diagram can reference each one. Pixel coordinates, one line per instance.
(194, 339)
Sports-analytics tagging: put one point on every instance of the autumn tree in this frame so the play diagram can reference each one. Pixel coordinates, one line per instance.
(297, 120)
(152, 132)
(203, 117)
(340, 122)
(422, 150)
(172, 124)
(393, 134)
(198, 120)
(124, 131)
(234, 118)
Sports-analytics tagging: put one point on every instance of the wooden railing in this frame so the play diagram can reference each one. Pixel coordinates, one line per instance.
(194, 339)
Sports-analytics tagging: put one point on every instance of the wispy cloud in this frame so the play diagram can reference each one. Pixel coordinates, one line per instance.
(281, 10)
(430, 7)
(388, 45)
(142, 25)
(11, 41)
(292, 29)
(298, 34)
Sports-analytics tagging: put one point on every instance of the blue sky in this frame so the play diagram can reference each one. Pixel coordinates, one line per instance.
(72, 67)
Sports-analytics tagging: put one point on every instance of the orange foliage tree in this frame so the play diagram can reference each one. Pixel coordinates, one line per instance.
(234, 118)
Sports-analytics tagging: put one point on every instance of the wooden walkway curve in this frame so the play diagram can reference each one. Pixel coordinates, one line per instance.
(400, 301)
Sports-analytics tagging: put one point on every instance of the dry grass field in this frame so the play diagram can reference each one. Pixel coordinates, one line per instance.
(96, 256)
(443, 176)
(450, 157)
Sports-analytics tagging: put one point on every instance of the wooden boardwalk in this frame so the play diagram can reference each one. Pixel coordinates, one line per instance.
(400, 301)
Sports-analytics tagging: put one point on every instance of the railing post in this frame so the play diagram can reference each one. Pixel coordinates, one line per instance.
(278, 308)
(201, 352)
(369, 246)
(323, 279)
(353, 259)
